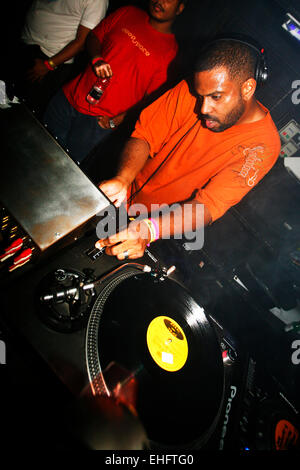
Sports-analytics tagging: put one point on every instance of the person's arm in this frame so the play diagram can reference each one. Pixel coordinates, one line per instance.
(223, 191)
(101, 69)
(150, 133)
(133, 158)
(156, 123)
(40, 69)
(105, 121)
(100, 66)
(95, 39)
(92, 14)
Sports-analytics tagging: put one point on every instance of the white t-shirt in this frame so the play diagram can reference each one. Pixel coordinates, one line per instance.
(52, 24)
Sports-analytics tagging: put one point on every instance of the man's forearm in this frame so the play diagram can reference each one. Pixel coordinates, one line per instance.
(73, 48)
(183, 218)
(176, 220)
(67, 53)
(93, 45)
(133, 159)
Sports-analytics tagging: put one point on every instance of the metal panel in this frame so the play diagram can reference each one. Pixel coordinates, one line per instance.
(40, 185)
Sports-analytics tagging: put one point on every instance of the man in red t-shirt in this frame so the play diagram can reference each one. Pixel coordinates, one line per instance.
(198, 149)
(133, 50)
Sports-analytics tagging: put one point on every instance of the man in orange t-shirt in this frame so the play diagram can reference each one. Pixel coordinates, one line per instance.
(203, 144)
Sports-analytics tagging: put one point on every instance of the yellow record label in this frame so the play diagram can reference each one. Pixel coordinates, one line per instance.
(167, 343)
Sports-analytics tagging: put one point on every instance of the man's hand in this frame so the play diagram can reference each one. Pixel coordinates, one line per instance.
(38, 71)
(104, 121)
(130, 243)
(115, 189)
(102, 69)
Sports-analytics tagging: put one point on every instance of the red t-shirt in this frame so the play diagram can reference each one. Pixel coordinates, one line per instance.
(215, 168)
(139, 56)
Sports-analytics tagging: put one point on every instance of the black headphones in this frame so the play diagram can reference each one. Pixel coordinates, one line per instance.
(261, 68)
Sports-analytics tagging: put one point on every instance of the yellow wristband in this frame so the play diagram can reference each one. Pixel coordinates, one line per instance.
(52, 64)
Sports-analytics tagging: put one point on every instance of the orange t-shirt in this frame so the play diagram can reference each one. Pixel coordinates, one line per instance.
(216, 169)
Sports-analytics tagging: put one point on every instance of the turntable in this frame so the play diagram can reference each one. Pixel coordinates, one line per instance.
(133, 315)
(157, 331)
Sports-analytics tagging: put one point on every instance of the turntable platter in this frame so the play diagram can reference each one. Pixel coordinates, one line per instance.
(159, 333)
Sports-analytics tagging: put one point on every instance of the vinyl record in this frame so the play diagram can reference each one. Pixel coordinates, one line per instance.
(158, 332)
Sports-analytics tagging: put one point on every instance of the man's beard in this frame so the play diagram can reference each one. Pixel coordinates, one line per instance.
(230, 120)
(159, 20)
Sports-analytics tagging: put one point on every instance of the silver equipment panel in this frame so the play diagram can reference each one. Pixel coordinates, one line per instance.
(40, 185)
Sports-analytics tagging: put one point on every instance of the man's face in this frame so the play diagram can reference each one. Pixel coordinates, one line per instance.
(220, 104)
(165, 10)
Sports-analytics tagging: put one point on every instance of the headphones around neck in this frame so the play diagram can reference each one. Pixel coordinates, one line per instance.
(261, 68)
